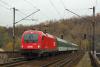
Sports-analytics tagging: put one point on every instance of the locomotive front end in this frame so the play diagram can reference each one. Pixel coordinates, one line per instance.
(30, 40)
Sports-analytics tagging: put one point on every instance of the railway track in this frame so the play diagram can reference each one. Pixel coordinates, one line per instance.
(63, 60)
(55, 61)
(26, 62)
(73, 61)
(15, 61)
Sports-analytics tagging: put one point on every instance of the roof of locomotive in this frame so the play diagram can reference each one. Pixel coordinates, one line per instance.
(39, 32)
(33, 31)
(74, 44)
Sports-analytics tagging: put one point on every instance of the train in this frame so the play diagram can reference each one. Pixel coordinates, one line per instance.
(34, 42)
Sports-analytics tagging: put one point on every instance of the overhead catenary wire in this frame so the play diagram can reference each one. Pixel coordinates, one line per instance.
(54, 8)
(85, 19)
(21, 14)
(5, 7)
(32, 7)
(5, 3)
(79, 15)
(63, 4)
(94, 2)
(31, 4)
(35, 7)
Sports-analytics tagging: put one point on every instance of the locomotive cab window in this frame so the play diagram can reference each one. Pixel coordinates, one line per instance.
(31, 38)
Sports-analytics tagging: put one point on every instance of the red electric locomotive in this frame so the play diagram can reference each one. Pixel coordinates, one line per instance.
(35, 42)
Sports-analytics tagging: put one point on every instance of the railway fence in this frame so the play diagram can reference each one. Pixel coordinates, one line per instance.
(94, 60)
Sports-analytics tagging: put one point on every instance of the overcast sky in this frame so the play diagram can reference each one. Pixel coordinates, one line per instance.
(49, 10)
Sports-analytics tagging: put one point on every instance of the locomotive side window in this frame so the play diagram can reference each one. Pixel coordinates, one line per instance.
(31, 38)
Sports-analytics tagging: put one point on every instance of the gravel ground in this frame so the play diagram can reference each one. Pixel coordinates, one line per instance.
(85, 61)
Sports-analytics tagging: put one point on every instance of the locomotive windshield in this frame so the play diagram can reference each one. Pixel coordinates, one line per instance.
(31, 38)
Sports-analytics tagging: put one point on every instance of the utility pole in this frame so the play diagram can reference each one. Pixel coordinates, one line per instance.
(13, 29)
(93, 31)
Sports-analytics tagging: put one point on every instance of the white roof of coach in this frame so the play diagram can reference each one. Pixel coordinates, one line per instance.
(74, 44)
(62, 40)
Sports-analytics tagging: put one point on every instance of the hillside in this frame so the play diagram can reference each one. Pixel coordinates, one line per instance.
(76, 30)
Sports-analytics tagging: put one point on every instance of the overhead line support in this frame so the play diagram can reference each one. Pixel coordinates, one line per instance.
(28, 16)
(13, 29)
(93, 31)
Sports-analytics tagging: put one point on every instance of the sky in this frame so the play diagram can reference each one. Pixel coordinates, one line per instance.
(49, 10)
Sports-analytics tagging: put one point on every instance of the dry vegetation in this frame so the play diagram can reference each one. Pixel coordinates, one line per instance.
(76, 30)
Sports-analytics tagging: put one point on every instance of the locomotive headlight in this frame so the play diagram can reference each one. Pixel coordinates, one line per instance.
(22, 46)
(38, 46)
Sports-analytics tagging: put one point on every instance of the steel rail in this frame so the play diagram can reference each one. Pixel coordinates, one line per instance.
(70, 61)
(57, 61)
